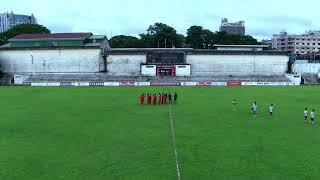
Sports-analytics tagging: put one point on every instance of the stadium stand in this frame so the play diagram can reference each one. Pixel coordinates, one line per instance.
(311, 79)
(107, 78)
(5, 79)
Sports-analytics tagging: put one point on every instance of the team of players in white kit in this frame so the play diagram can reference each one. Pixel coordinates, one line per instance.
(271, 108)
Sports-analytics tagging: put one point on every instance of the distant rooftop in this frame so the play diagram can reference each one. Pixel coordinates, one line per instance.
(62, 40)
(247, 46)
(27, 37)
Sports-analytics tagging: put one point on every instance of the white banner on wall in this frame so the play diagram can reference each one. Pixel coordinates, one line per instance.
(53, 84)
(111, 84)
(188, 83)
(219, 83)
(40, 84)
(142, 83)
(249, 83)
(84, 84)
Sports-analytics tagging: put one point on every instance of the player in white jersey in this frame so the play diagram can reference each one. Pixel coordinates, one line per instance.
(312, 116)
(234, 103)
(254, 109)
(270, 110)
(305, 115)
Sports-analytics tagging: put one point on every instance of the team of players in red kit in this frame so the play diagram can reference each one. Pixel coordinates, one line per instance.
(164, 98)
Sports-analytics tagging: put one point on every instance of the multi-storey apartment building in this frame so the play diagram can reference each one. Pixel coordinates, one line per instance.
(237, 28)
(9, 20)
(307, 43)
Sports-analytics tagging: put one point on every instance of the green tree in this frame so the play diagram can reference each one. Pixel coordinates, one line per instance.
(195, 37)
(123, 41)
(161, 35)
(22, 29)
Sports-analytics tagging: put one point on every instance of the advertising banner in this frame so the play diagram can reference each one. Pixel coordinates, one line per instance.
(53, 84)
(188, 83)
(127, 83)
(142, 83)
(219, 83)
(66, 84)
(111, 84)
(233, 83)
(84, 84)
(165, 84)
(249, 83)
(96, 83)
(204, 83)
(39, 84)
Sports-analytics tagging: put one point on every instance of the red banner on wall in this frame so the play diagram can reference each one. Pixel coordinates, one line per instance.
(233, 83)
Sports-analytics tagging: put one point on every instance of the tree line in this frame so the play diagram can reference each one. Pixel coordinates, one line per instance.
(158, 35)
(22, 29)
(161, 35)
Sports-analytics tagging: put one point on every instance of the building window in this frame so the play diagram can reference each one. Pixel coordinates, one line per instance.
(54, 43)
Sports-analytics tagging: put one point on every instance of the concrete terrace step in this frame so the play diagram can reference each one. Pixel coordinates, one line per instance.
(311, 79)
(109, 78)
(5, 79)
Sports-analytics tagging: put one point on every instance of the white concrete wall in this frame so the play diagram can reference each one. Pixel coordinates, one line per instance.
(51, 61)
(237, 64)
(125, 64)
(149, 70)
(183, 70)
(312, 68)
(294, 78)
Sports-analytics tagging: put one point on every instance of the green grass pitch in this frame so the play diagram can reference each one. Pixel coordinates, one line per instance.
(103, 133)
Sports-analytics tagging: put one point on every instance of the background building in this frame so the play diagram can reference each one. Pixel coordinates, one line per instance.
(237, 28)
(299, 44)
(9, 20)
(54, 53)
(84, 53)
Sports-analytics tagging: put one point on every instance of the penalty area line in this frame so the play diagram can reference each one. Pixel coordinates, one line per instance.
(174, 144)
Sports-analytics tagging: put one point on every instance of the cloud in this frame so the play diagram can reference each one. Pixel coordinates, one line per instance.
(132, 17)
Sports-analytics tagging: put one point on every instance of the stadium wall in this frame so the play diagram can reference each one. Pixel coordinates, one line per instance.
(125, 64)
(237, 64)
(310, 68)
(52, 61)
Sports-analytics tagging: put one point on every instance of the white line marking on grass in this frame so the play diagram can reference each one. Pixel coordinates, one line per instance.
(174, 144)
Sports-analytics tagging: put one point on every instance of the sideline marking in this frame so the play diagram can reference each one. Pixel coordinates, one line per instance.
(174, 144)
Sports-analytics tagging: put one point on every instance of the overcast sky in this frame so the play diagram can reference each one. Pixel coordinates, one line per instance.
(131, 17)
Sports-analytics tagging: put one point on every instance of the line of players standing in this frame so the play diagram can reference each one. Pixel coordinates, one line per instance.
(271, 107)
(164, 98)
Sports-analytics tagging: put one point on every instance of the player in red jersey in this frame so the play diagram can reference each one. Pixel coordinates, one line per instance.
(155, 99)
(159, 98)
(142, 98)
(149, 99)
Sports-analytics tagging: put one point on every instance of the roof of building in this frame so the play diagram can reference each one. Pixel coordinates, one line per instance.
(143, 51)
(246, 46)
(97, 37)
(28, 37)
